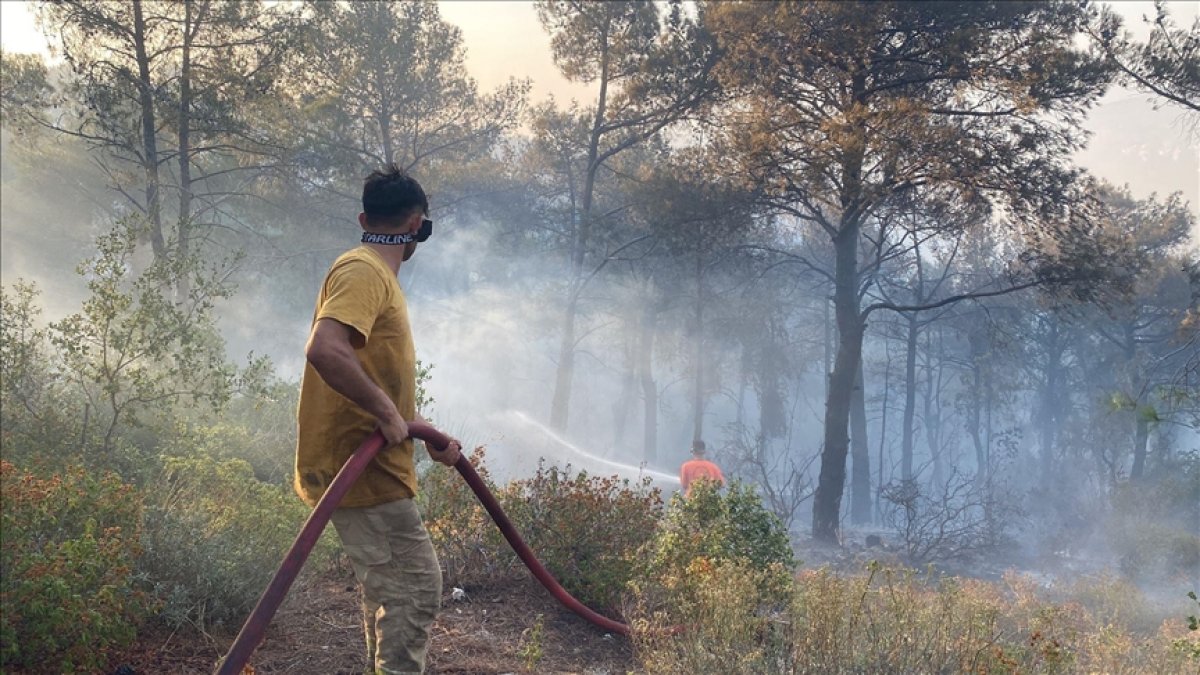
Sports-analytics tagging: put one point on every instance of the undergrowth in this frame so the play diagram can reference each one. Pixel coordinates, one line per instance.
(900, 621)
(69, 595)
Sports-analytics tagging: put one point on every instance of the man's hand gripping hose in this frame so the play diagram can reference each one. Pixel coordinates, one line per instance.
(256, 625)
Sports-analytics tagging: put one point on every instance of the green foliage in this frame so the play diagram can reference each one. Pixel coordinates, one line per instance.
(720, 561)
(214, 536)
(726, 617)
(24, 89)
(587, 530)
(135, 350)
(424, 400)
(386, 82)
(531, 650)
(67, 585)
(258, 426)
(1166, 65)
(718, 526)
(38, 418)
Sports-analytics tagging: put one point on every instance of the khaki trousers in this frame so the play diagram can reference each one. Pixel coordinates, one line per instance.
(400, 580)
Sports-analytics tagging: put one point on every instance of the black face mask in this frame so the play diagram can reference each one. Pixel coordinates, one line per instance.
(420, 235)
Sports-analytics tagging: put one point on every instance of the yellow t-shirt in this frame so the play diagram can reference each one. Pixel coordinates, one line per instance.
(360, 291)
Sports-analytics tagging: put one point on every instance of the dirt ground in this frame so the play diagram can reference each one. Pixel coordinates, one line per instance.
(317, 632)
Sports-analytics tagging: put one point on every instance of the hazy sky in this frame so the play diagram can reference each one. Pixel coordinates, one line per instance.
(1134, 144)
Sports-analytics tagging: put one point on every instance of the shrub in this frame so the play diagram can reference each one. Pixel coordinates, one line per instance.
(888, 620)
(470, 548)
(268, 449)
(587, 530)
(133, 348)
(719, 567)
(718, 526)
(727, 624)
(955, 520)
(39, 418)
(214, 537)
(1152, 527)
(67, 585)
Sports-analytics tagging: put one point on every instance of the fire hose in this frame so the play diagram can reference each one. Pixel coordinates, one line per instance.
(256, 624)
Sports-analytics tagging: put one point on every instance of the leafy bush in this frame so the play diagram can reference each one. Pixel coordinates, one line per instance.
(587, 530)
(719, 527)
(39, 419)
(214, 536)
(251, 431)
(1152, 527)
(470, 548)
(133, 347)
(67, 586)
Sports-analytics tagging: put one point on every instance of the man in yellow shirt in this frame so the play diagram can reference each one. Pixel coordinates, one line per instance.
(361, 374)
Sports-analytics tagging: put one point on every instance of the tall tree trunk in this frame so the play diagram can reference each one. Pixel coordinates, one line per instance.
(860, 476)
(739, 418)
(698, 354)
(883, 417)
(560, 404)
(828, 342)
(932, 408)
(988, 408)
(975, 416)
(185, 143)
(149, 141)
(563, 381)
(831, 481)
(1050, 403)
(624, 403)
(910, 399)
(1140, 442)
(384, 115)
(1141, 425)
(649, 386)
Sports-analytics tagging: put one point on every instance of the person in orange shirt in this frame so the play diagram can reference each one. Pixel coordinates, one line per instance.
(698, 468)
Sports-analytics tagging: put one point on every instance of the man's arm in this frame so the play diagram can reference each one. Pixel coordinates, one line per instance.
(330, 350)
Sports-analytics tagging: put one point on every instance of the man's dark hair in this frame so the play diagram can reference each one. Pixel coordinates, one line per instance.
(698, 447)
(390, 195)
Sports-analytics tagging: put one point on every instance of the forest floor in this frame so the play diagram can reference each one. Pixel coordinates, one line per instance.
(492, 630)
(317, 631)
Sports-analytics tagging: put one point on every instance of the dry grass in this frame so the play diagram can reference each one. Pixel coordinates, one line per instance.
(889, 620)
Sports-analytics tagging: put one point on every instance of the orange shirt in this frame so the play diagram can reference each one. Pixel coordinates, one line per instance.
(694, 469)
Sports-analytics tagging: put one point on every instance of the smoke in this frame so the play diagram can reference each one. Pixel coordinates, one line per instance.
(49, 217)
(489, 327)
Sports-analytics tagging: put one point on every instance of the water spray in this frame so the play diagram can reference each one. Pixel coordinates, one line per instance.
(620, 467)
(256, 624)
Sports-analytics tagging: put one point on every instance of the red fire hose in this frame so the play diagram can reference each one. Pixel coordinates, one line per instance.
(256, 625)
